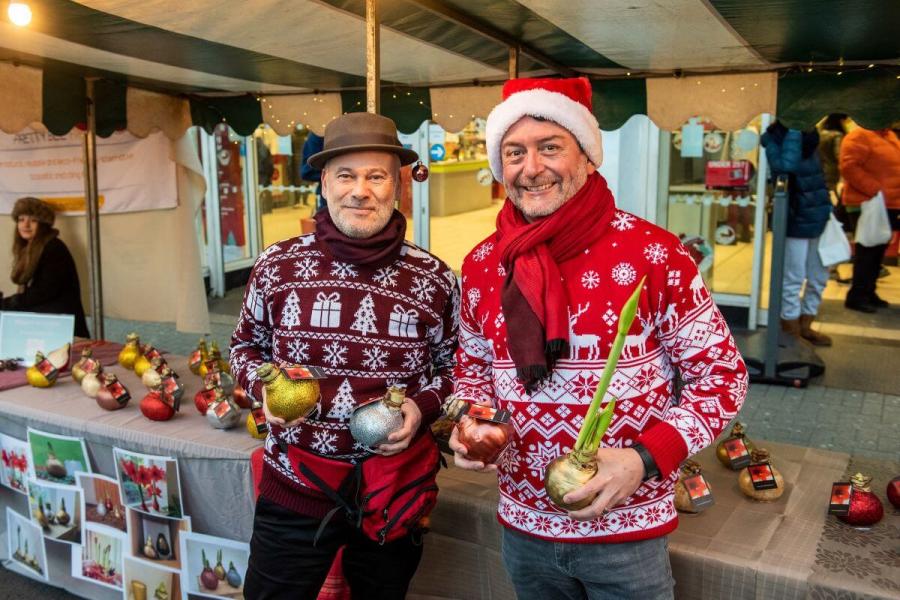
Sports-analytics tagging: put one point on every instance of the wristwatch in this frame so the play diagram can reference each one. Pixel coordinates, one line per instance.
(650, 468)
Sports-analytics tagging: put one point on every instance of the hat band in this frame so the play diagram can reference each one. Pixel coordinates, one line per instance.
(367, 138)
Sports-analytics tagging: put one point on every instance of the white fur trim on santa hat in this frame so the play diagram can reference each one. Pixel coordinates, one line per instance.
(545, 104)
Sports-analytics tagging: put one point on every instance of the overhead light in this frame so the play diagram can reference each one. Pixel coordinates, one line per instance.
(19, 13)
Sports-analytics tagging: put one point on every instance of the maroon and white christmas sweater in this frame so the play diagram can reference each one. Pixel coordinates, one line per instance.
(366, 327)
(678, 327)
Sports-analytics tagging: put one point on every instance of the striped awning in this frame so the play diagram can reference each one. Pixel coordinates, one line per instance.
(284, 62)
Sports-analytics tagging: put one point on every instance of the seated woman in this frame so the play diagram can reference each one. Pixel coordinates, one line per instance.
(43, 268)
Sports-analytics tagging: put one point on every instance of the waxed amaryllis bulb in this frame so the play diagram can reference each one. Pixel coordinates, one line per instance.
(893, 491)
(477, 430)
(288, 399)
(257, 426)
(865, 507)
(223, 413)
(131, 351)
(80, 368)
(90, 383)
(39, 375)
(240, 397)
(371, 423)
(112, 395)
(150, 378)
(157, 405)
(198, 357)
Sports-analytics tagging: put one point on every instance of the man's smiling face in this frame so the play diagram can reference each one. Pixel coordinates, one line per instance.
(543, 166)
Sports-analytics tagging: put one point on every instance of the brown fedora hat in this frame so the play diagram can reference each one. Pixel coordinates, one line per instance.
(360, 132)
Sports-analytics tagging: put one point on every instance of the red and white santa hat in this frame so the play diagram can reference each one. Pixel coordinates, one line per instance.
(566, 102)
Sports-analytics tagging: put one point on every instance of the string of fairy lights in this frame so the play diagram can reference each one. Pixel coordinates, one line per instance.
(838, 69)
(266, 103)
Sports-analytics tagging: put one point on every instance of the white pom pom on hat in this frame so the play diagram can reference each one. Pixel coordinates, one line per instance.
(566, 102)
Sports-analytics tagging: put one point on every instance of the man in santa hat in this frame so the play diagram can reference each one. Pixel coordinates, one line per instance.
(541, 299)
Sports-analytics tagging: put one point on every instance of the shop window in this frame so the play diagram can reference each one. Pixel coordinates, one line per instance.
(463, 197)
(231, 154)
(712, 200)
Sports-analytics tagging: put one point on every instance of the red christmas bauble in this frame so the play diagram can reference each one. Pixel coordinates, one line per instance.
(154, 408)
(420, 172)
(865, 509)
(893, 491)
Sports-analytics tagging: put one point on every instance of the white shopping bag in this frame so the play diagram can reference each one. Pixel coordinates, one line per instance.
(873, 227)
(833, 245)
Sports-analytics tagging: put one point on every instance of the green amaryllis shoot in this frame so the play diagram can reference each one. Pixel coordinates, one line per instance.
(571, 471)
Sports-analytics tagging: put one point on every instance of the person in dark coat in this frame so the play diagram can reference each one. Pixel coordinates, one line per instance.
(794, 153)
(314, 144)
(43, 268)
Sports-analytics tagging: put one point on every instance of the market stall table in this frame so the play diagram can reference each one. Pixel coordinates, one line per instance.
(214, 464)
(736, 549)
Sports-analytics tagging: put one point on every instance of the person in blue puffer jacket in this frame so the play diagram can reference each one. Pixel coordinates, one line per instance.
(794, 153)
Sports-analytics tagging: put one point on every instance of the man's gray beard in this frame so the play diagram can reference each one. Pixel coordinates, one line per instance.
(357, 233)
(569, 190)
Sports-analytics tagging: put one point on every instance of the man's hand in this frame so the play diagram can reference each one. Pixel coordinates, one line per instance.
(618, 477)
(459, 456)
(399, 440)
(277, 420)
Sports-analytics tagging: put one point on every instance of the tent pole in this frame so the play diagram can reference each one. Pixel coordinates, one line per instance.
(92, 206)
(513, 62)
(373, 58)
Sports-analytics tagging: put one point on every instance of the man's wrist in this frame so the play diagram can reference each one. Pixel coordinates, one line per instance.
(650, 468)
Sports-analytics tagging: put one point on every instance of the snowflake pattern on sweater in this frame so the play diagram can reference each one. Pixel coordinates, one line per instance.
(365, 327)
(678, 327)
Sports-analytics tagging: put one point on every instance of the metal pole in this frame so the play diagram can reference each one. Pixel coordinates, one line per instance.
(759, 228)
(92, 206)
(513, 62)
(373, 58)
(779, 235)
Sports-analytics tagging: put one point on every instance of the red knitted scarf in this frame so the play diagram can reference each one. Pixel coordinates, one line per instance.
(534, 300)
(379, 250)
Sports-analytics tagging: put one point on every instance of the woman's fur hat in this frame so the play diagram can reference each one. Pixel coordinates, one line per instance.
(34, 207)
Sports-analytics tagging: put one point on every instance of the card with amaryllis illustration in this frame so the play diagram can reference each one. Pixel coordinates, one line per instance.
(149, 483)
(14, 463)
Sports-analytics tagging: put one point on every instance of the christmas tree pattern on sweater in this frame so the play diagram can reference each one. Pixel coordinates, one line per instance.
(678, 327)
(367, 328)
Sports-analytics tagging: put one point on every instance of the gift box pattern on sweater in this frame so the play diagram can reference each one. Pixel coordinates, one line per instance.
(302, 306)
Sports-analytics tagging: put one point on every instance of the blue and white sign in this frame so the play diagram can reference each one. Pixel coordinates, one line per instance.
(692, 140)
(22, 334)
(437, 152)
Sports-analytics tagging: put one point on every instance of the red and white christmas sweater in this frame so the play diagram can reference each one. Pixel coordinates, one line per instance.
(678, 327)
(366, 327)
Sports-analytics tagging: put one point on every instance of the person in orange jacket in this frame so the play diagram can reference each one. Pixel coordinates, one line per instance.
(870, 163)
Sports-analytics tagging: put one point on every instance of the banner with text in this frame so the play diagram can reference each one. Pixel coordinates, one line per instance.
(133, 174)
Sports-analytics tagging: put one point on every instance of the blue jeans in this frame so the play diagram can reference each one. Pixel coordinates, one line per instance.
(802, 264)
(542, 570)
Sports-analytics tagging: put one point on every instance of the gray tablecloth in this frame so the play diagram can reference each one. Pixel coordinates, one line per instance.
(214, 464)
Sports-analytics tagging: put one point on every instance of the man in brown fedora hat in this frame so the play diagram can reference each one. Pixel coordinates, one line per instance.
(370, 310)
